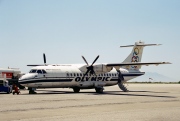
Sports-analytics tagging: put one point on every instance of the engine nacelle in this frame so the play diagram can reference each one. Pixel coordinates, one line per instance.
(101, 68)
(98, 68)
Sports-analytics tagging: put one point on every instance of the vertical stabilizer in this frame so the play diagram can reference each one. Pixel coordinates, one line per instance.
(136, 54)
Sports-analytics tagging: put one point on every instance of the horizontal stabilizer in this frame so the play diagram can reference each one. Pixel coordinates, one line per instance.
(136, 63)
(142, 45)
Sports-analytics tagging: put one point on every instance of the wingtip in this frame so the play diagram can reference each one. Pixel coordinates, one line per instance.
(166, 63)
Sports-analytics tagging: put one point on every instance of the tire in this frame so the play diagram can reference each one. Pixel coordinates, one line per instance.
(32, 92)
(99, 90)
(76, 89)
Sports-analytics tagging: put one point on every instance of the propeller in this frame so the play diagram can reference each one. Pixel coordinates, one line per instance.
(90, 69)
(44, 58)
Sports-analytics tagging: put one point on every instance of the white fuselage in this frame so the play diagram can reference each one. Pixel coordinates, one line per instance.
(69, 76)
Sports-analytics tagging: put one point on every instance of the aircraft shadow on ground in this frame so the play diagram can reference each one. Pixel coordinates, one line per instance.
(130, 93)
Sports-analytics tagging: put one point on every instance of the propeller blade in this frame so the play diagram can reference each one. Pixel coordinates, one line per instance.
(44, 56)
(93, 72)
(95, 60)
(85, 60)
(86, 72)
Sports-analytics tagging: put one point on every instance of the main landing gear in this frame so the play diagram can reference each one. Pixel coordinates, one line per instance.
(99, 89)
(76, 89)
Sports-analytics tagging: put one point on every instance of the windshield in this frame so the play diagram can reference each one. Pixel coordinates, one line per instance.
(44, 72)
(33, 71)
(39, 71)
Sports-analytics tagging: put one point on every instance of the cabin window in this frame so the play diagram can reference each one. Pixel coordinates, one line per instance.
(77, 74)
(112, 74)
(80, 74)
(33, 71)
(44, 72)
(39, 71)
(74, 74)
(67, 74)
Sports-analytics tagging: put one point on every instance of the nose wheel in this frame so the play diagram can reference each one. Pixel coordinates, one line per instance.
(32, 91)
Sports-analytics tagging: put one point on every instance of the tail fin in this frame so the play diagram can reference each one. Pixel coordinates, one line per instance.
(136, 54)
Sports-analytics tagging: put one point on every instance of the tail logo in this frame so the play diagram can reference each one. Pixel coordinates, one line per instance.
(135, 57)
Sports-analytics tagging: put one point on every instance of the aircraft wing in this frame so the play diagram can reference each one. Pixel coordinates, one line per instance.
(37, 65)
(136, 63)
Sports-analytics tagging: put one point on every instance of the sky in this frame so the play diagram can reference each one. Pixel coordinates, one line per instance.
(67, 29)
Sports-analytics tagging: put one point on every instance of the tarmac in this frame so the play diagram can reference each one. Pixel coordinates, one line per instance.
(144, 102)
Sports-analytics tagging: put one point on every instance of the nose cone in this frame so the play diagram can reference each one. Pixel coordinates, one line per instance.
(25, 79)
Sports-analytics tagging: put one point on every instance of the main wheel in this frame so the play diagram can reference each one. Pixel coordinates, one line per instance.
(76, 89)
(99, 90)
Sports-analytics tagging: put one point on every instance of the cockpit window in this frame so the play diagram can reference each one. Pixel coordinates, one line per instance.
(44, 72)
(33, 71)
(39, 71)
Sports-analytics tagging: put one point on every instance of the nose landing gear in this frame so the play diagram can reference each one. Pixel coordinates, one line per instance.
(32, 91)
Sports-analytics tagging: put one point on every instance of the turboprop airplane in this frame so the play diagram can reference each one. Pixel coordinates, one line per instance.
(86, 76)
